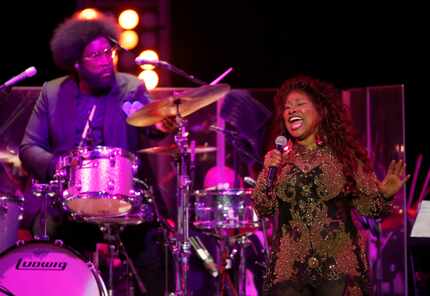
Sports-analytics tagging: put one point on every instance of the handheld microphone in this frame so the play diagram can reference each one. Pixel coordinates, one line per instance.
(280, 143)
(204, 254)
(29, 72)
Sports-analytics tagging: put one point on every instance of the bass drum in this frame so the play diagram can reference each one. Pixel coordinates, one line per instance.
(42, 268)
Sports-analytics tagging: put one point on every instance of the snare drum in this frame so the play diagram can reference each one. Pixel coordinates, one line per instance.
(42, 268)
(224, 209)
(11, 209)
(98, 182)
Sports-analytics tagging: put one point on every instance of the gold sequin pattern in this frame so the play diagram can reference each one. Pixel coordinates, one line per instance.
(315, 242)
(264, 200)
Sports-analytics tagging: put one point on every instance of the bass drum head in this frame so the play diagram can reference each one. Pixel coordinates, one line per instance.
(42, 268)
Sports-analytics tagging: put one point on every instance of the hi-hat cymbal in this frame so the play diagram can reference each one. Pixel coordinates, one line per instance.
(190, 101)
(173, 149)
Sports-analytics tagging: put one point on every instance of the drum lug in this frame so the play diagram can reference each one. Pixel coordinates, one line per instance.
(20, 243)
(111, 185)
(112, 160)
(3, 208)
(66, 193)
(59, 243)
(134, 168)
(135, 193)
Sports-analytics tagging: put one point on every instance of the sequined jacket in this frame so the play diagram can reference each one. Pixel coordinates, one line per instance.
(315, 238)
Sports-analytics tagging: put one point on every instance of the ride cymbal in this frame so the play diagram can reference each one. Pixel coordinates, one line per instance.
(189, 102)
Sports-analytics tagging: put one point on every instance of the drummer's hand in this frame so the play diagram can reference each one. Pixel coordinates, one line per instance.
(272, 158)
(14, 167)
(167, 125)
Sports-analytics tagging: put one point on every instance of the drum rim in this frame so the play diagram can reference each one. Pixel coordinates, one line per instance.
(230, 191)
(11, 197)
(101, 152)
(60, 244)
(57, 243)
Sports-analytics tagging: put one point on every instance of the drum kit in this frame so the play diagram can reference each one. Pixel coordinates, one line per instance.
(99, 185)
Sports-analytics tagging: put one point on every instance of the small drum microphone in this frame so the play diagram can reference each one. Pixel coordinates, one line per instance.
(204, 254)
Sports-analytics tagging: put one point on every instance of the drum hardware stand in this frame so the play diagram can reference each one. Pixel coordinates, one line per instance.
(165, 228)
(267, 256)
(148, 192)
(116, 246)
(243, 242)
(44, 191)
(224, 264)
(182, 247)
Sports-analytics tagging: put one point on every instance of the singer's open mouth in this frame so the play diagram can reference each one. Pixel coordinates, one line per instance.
(295, 122)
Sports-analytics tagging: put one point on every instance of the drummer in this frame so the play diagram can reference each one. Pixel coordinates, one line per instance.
(86, 49)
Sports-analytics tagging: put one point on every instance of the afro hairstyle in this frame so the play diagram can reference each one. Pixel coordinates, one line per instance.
(72, 36)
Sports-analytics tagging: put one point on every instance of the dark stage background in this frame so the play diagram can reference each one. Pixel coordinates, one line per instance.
(266, 42)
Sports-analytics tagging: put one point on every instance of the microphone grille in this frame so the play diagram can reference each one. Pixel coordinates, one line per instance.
(281, 141)
(30, 72)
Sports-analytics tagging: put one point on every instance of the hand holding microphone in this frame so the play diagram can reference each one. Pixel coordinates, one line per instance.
(273, 159)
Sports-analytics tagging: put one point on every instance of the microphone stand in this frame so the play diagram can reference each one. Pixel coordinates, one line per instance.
(234, 138)
(182, 73)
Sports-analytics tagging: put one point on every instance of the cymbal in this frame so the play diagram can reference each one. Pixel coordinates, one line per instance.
(173, 149)
(190, 101)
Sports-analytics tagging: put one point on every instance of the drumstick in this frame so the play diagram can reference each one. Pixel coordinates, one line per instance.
(221, 76)
(87, 125)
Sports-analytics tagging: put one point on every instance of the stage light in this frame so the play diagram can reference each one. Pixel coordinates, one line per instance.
(150, 77)
(149, 55)
(128, 19)
(128, 39)
(88, 14)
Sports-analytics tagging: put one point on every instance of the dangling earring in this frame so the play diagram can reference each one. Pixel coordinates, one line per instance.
(319, 140)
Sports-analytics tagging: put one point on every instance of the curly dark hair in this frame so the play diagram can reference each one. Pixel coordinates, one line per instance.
(71, 37)
(335, 129)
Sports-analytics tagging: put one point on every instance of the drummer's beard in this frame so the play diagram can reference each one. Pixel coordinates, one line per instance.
(100, 83)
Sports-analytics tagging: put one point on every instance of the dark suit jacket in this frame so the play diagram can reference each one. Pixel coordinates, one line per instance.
(50, 130)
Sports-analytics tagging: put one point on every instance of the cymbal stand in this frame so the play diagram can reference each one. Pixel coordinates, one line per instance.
(116, 247)
(225, 284)
(45, 192)
(182, 251)
(148, 193)
(242, 242)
